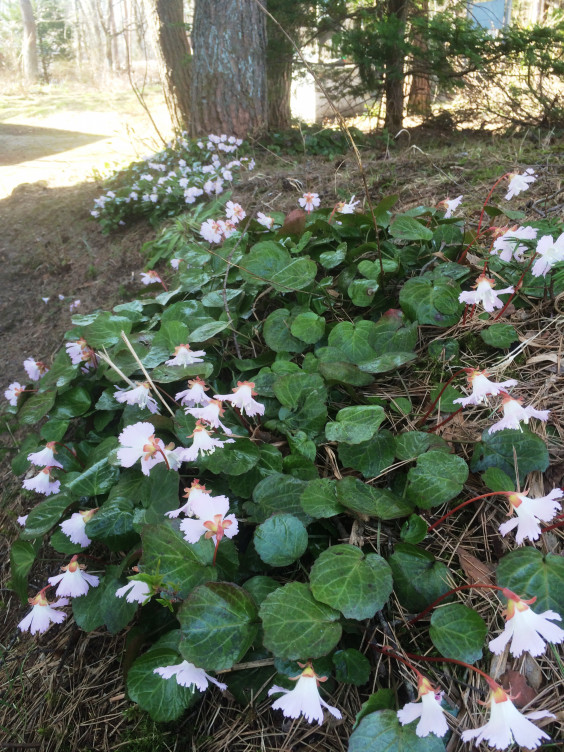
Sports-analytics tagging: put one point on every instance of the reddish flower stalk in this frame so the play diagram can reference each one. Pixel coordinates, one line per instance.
(465, 503)
(439, 395)
(436, 602)
(517, 286)
(445, 421)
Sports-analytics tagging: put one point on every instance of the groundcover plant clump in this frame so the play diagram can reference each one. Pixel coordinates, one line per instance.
(237, 468)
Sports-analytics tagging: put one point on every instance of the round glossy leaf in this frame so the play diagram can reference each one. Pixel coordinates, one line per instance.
(319, 498)
(296, 625)
(280, 540)
(369, 457)
(232, 459)
(458, 632)
(438, 477)
(353, 425)
(504, 448)
(530, 573)
(308, 327)
(418, 578)
(351, 667)
(355, 583)
(382, 731)
(499, 335)
(277, 332)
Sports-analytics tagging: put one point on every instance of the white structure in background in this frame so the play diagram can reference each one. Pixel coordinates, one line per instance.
(493, 14)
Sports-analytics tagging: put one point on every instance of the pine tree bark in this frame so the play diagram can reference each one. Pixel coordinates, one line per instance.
(229, 88)
(166, 23)
(394, 77)
(30, 62)
(419, 100)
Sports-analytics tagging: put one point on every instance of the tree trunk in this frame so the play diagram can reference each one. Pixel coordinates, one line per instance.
(419, 100)
(113, 36)
(229, 69)
(394, 77)
(166, 23)
(29, 48)
(279, 80)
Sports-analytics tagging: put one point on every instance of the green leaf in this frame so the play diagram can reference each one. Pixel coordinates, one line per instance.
(45, 515)
(22, 556)
(499, 335)
(71, 404)
(277, 493)
(354, 425)
(408, 228)
(233, 459)
(182, 565)
(36, 407)
(113, 524)
(382, 731)
(106, 329)
(496, 480)
(356, 584)
(219, 623)
(504, 448)
(445, 403)
(331, 259)
(270, 263)
(101, 606)
(303, 397)
(63, 545)
(296, 625)
(167, 374)
(418, 578)
(388, 362)
(369, 457)
(438, 477)
(164, 699)
(277, 332)
(458, 632)
(351, 667)
(411, 444)
(97, 479)
(382, 699)
(319, 498)
(344, 373)
(280, 540)
(353, 340)
(362, 291)
(308, 327)
(414, 529)
(431, 302)
(207, 331)
(529, 573)
(260, 586)
(54, 430)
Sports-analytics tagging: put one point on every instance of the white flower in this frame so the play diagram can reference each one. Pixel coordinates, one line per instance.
(150, 277)
(45, 457)
(136, 591)
(34, 368)
(551, 252)
(482, 387)
(265, 220)
(42, 614)
(514, 413)
(234, 212)
(451, 204)
(210, 414)
(196, 491)
(519, 183)
(304, 699)
(347, 207)
(74, 305)
(187, 675)
(485, 294)
(42, 483)
(74, 527)
(79, 352)
(529, 512)
(195, 395)
(45, 300)
(227, 227)
(429, 710)
(138, 441)
(527, 630)
(203, 442)
(508, 246)
(175, 263)
(243, 399)
(508, 725)
(22, 520)
(211, 231)
(212, 520)
(74, 582)
(191, 194)
(184, 356)
(309, 201)
(139, 395)
(13, 392)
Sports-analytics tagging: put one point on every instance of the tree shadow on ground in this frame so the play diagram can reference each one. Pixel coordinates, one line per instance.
(23, 143)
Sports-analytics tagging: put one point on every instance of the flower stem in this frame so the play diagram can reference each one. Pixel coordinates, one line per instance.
(465, 503)
(497, 182)
(445, 421)
(439, 395)
(165, 458)
(436, 602)
(491, 683)
(517, 286)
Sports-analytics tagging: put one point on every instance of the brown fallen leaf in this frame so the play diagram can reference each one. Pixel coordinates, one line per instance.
(521, 691)
(294, 224)
(474, 569)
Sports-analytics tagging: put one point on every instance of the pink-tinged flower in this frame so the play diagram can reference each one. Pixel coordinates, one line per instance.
(507, 725)
(550, 252)
(527, 630)
(42, 614)
(136, 591)
(228, 227)
(507, 246)
(234, 212)
(243, 399)
(214, 186)
(150, 278)
(304, 699)
(138, 441)
(74, 527)
(450, 204)
(529, 512)
(203, 442)
(45, 457)
(175, 263)
(211, 520)
(79, 352)
(347, 207)
(514, 413)
(34, 368)
(139, 395)
(265, 220)
(485, 294)
(210, 414)
(74, 305)
(42, 483)
(184, 356)
(482, 387)
(191, 194)
(519, 183)
(74, 582)
(309, 201)
(22, 520)
(13, 392)
(211, 231)
(195, 395)
(187, 675)
(429, 710)
(196, 491)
